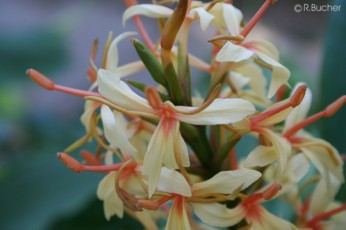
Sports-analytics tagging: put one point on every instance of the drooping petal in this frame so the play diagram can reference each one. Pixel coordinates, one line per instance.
(113, 53)
(233, 18)
(263, 47)
(238, 80)
(260, 156)
(128, 69)
(112, 204)
(118, 92)
(218, 215)
(149, 10)
(269, 221)
(204, 16)
(300, 112)
(233, 53)
(172, 181)
(160, 145)
(115, 132)
(281, 146)
(220, 111)
(226, 182)
(89, 109)
(177, 217)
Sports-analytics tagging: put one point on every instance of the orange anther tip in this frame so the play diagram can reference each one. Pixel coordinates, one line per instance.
(40, 79)
(153, 97)
(298, 95)
(335, 106)
(271, 191)
(70, 162)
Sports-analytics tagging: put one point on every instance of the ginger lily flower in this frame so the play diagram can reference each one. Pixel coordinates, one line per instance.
(167, 139)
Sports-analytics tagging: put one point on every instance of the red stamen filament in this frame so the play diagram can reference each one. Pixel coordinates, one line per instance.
(141, 29)
(329, 111)
(90, 158)
(46, 83)
(295, 100)
(154, 205)
(256, 18)
(76, 166)
(318, 218)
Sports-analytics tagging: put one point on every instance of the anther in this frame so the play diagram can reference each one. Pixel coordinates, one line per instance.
(270, 192)
(335, 106)
(90, 158)
(70, 162)
(298, 95)
(40, 79)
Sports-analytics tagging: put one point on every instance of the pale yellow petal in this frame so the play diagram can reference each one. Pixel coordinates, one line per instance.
(149, 10)
(113, 52)
(233, 18)
(204, 17)
(172, 181)
(260, 156)
(233, 53)
(226, 182)
(218, 215)
(161, 144)
(270, 221)
(115, 133)
(106, 186)
(220, 111)
(238, 80)
(128, 69)
(178, 217)
(113, 205)
(118, 92)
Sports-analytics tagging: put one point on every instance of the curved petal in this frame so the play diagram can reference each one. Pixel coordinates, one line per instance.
(115, 132)
(269, 221)
(106, 186)
(177, 217)
(113, 206)
(220, 111)
(160, 145)
(233, 18)
(172, 181)
(218, 215)
(113, 53)
(226, 182)
(260, 156)
(89, 109)
(233, 53)
(204, 17)
(115, 90)
(149, 10)
(128, 69)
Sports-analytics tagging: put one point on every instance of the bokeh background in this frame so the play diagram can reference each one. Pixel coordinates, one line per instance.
(36, 190)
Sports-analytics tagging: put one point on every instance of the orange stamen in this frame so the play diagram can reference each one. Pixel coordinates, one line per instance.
(154, 205)
(46, 83)
(280, 94)
(270, 192)
(90, 158)
(233, 159)
(329, 111)
(256, 18)
(295, 100)
(141, 29)
(318, 218)
(76, 166)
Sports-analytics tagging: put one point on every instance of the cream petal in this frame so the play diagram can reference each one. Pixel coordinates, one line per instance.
(113, 206)
(113, 53)
(260, 156)
(233, 53)
(106, 186)
(204, 17)
(177, 217)
(280, 74)
(149, 10)
(89, 109)
(218, 215)
(269, 221)
(220, 111)
(226, 182)
(300, 112)
(281, 146)
(172, 181)
(233, 18)
(238, 80)
(263, 47)
(161, 144)
(128, 69)
(115, 90)
(114, 132)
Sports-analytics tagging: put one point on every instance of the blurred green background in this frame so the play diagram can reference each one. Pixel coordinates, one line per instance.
(36, 190)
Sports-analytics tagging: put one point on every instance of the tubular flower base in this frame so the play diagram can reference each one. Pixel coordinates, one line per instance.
(169, 155)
